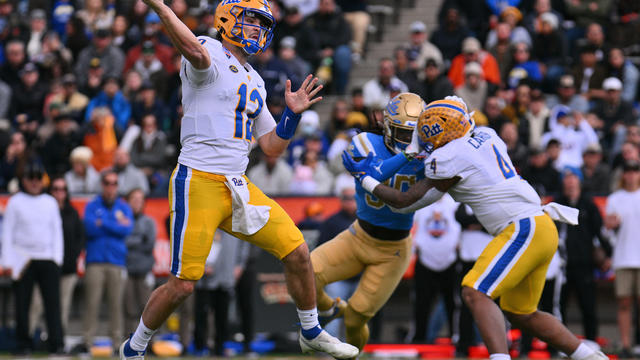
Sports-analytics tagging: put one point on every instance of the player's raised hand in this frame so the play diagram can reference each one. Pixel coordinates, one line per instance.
(302, 99)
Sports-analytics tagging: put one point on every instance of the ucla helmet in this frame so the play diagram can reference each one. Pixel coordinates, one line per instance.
(443, 121)
(400, 119)
(230, 22)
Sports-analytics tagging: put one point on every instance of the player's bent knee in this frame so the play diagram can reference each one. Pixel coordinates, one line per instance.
(519, 319)
(181, 288)
(298, 256)
(354, 319)
(471, 296)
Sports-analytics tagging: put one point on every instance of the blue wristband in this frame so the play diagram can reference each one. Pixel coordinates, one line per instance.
(288, 124)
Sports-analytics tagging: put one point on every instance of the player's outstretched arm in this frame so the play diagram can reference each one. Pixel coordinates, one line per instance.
(275, 142)
(180, 35)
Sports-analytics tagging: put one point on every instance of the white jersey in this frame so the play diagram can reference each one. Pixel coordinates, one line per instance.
(437, 234)
(489, 184)
(224, 107)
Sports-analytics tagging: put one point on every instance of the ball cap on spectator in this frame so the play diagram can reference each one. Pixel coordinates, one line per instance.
(81, 154)
(33, 170)
(38, 14)
(68, 79)
(418, 27)
(431, 62)
(102, 33)
(572, 170)
(567, 81)
(511, 10)
(593, 148)
(631, 165)
(563, 111)
(550, 18)
(28, 68)
(152, 18)
(148, 47)
(612, 83)
(471, 45)
(94, 62)
(473, 68)
(288, 42)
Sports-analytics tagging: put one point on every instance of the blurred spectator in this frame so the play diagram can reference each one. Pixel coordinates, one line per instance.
(626, 71)
(377, 91)
(83, 178)
(355, 13)
(110, 56)
(298, 67)
(516, 111)
(533, 19)
(594, 36)
(75, 37)
(518, 34)
(181, 9)
(613, 114)
(274, 73)
(566, 95)
(94, 80)
(588, 73)
(140, 243)
(436, 238)
(129, 176)
(61, 14)
(149, 102)
(311, 176)
(493, 111)
(576, 247)
(587, 11)
(475, 90)
(213, 291)
(37, 28)
(57, 148)
(16, 58)
(112, 98)
(151, 69)
(516, 150)
(14, 160)
(549, 46)
(272, 175)
(293, 25)
(32, 248)
(419, 49)
(309, 137)
(32, 92)
(436, 85)
(502, 49)
(108, 221)
(306, 7)
(5, 99)
(596, 173)
(120, 34)
(357, 101)
(473, 52)
(95, 16)
(541, 174)
(537, 116)
(148, 150)
(333, 35)
(338, 119)
(449, 34)
(629, 153)
(132, 86)
(164, 52)
(622, 221)
(73, 102)
(574, 134)
(100, 137)
(404, 71)
(523, 67)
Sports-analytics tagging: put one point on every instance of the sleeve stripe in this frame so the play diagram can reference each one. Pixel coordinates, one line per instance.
(366, 144)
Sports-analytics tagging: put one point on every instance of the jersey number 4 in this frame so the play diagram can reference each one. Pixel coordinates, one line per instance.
(507, 171)
(242, 124)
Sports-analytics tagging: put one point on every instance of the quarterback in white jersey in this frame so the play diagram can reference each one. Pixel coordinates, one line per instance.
(224, 109)
(473, 166)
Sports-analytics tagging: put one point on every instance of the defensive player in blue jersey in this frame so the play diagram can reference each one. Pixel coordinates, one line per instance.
(377, 245)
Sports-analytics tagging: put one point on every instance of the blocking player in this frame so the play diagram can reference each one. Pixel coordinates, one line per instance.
(377, 245)
(473, 166)
(224, 108)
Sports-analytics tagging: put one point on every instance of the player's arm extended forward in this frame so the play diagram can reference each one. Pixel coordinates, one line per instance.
(180, 35)
(423, 193)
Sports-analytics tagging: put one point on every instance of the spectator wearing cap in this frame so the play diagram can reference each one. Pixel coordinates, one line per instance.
(95, 79)
(524, 68)
(148, 102)
(588, 73)
(111, 57)
(72, 101)
(613, 114)
(274, 73)
(33, 248)
(574, 133)
(57, 148)
(151, 69)
(355, 13)
(576, 248)
(537, 117)
(37, 28)
(475, 89)
(95, 16)
(533, 19)
(623, 222)
(419, 49)
(15, 59)
(82, 178)
(566, 95)
(287, 54)
(310, 136)
(32, 94)
(164, 52)
(292, 24)
(112, 98)
(436, 85)
(333, 35)
(449, 34)
(596, 172)
(272, 174)
(625, 70)
(540, 173)
(377, 91)
(108, 220)
(473, 52)
(512, 17)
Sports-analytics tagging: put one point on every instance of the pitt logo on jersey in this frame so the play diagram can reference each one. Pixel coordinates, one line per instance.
(233, 68)
(237, 182)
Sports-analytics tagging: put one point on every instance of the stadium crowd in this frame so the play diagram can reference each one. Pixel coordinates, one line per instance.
(90, 104)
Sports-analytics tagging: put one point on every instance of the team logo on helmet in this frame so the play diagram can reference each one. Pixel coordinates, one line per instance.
(400, 118)
(231, 23)
(441, 122)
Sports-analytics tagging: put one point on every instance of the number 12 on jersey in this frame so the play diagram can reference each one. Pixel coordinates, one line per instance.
(242, 125)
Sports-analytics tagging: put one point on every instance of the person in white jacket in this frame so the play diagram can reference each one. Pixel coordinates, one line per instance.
(573, 132)
(32, 249)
